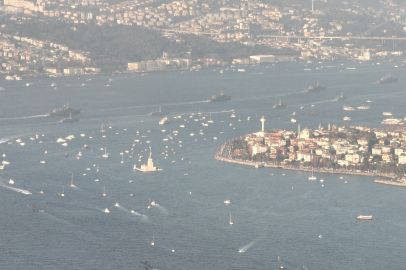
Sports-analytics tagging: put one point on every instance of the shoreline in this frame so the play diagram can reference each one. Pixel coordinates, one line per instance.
(392, 177)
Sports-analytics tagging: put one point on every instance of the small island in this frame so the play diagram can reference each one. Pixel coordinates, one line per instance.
(357, 150)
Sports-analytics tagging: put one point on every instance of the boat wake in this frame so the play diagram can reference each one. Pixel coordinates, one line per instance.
(245, 248)
(144, 217)
(161, 208)
(24, 117)
(19, 190)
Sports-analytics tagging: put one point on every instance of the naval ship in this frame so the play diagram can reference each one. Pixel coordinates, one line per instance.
(158, 112)
(342, 97)
(279, 105)
(387, 79)
(65, 110)
(219, 97)
(315, 88)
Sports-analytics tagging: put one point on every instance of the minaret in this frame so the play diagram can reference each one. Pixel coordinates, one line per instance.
(319, 126)
(150, 162)
(298, 132)
(329, 128)
(263, 127)
(312, 4)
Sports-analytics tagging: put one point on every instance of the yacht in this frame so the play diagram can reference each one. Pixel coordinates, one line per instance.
(312, 177)
(106, 155)
(71, 181)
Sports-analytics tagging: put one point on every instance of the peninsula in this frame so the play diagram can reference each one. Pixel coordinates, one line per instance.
(355, 150)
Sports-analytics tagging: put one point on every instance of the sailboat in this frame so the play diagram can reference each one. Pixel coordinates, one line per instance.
(239, 118)
(104, 191)
(101, 129)
(122, 158)
(149, 204)
(106, 155)
(231, 223)
(110, 125)
(63, 192)
(152, 243)
(312, 177)
(71, 181)
(222, 132)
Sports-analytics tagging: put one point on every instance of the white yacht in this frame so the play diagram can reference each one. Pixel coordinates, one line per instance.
(312, 177)
(293, 120)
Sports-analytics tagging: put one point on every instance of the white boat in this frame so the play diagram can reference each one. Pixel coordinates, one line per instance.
(42, 162)
(153, 203)
(79, 154)
(391, 121)
(231, 223)
(5, 162)
(387, 113)
(182, 126)
(110, 125)
(241, 70)
(71, 181)
(227, 202)
(106, 155)
(321, 180)
(312, 177)
(164, 120)
(153, 242)
(11, 182)
(293, 120)
(192, 134)
(248, 118)
(106, 210)
(363, 107)
(102, 130)
(117, 205)
(361, 217)
(348, 108)
(63, 192)
(60, 140)
(233, 115)
(347, 118)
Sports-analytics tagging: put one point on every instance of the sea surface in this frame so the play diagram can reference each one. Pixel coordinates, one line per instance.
(280, 217)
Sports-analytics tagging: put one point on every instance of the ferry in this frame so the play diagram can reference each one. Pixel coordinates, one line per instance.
(361, 217)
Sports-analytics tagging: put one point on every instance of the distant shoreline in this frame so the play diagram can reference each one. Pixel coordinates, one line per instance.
(392, 177)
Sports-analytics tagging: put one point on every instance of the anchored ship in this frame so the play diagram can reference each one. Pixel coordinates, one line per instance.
(317, 87)
(279, 105)
(158, 112)
(342, 97)
(219, 97)
(65, 110)
(387, 79)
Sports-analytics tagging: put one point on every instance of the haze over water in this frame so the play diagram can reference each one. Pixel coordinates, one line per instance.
(270, 219)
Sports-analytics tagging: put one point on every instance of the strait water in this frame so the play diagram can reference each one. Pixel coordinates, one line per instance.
(310, 226)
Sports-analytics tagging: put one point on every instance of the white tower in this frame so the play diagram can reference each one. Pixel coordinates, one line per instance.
(312, 4)
(263, 126)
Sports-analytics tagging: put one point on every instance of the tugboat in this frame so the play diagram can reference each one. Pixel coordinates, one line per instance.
(158, 112)
(279, 105)
(64, 111)
(342, 97)
(219, 97)
(317, 87)
(69, 119)
(387, 79)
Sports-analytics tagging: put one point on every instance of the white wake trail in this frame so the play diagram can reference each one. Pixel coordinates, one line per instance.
(19, 190)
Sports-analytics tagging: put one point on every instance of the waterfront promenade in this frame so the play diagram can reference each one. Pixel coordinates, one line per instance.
(223, 153)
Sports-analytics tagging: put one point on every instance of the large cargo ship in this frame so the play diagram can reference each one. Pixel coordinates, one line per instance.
(317, 87)
(64, 111)
(219, 97)
(279, 105)
(158, 112)
(387, 79)
(364, 217)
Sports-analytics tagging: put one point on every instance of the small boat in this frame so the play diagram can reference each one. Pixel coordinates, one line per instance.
(321, 180)
(293, 120)
(227, 202)
(312, 177)
(347, 118)
(387, 113)
(11, 182)
(361, 217)
(106, 210)
(117, 205)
